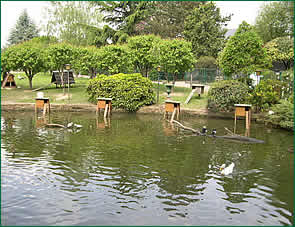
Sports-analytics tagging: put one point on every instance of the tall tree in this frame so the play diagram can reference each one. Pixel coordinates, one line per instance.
(73, 22)
(27, 56)
(204, 27)
(88, 59)
(167, 18)
(116, 59)
(174, 56)
(244, 52)
(141, 52)
(24, 29)
(125, 15)
(281, 50)
(275, 19)
(60, 54)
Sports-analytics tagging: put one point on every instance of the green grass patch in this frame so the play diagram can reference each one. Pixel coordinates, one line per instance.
(23, 94)
(78, 94)
(180, 94)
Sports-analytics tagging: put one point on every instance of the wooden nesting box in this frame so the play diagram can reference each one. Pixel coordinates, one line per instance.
(8, 81)
(243, 110)
(172, 107)
(42, 103)
(106, 104)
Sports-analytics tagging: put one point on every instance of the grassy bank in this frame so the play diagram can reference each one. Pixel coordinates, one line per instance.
(78, 94)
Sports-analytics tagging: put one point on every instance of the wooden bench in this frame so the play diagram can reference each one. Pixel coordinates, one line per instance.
(42, 103)
(106, 104)
(172, 107)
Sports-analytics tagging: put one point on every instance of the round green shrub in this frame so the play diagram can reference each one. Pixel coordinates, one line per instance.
(266, 94)
(224, 94)
(128, 91)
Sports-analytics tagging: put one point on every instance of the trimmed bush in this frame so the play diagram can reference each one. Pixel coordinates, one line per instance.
(224, 94)
(128, 91)
(266, 94)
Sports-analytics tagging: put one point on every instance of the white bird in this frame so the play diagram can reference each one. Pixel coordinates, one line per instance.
(70, 125)
(227, 170)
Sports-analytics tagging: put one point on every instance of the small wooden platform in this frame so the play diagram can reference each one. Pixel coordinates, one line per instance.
(172, 107)
(106, 104)
(200, 88)
(243, 110)
(42, 103)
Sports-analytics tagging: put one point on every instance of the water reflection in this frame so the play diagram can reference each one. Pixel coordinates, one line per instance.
(141, 171)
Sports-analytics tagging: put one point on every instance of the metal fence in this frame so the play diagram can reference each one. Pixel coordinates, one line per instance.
(203, 75)
(198, 75)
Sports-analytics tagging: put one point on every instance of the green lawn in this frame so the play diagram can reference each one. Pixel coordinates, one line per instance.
(180, 94)
(79, 95)
(25, 95)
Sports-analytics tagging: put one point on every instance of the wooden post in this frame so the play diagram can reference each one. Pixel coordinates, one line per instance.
(235, 123)
(106, 110)
(172, 107)
(106, 104)
(42, 103)
(97, 109)
(247, 119)
(49, 109)
(173, 114)
(178, 112)
(44, 109)
(243, 110)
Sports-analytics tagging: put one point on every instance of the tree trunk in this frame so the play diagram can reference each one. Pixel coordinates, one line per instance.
(31, 81)
(92, 74)
(167, 77)
(286, 64)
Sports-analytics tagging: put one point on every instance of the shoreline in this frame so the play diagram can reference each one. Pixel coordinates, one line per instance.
(155, 109)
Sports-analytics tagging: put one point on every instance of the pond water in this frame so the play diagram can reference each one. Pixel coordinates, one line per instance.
(139, 170)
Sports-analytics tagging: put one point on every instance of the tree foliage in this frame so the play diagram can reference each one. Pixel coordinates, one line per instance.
(124, 15)
(74, 22)
(27, 56)
(166, 18)
(174, 56)
(204, 28)
(60, 54)
(116, 59)
(24, 29)
(141, 52)
(281, 49)
(206, 62)
(244, 52)
(88, 59)
(275, 19)
(266, 93)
